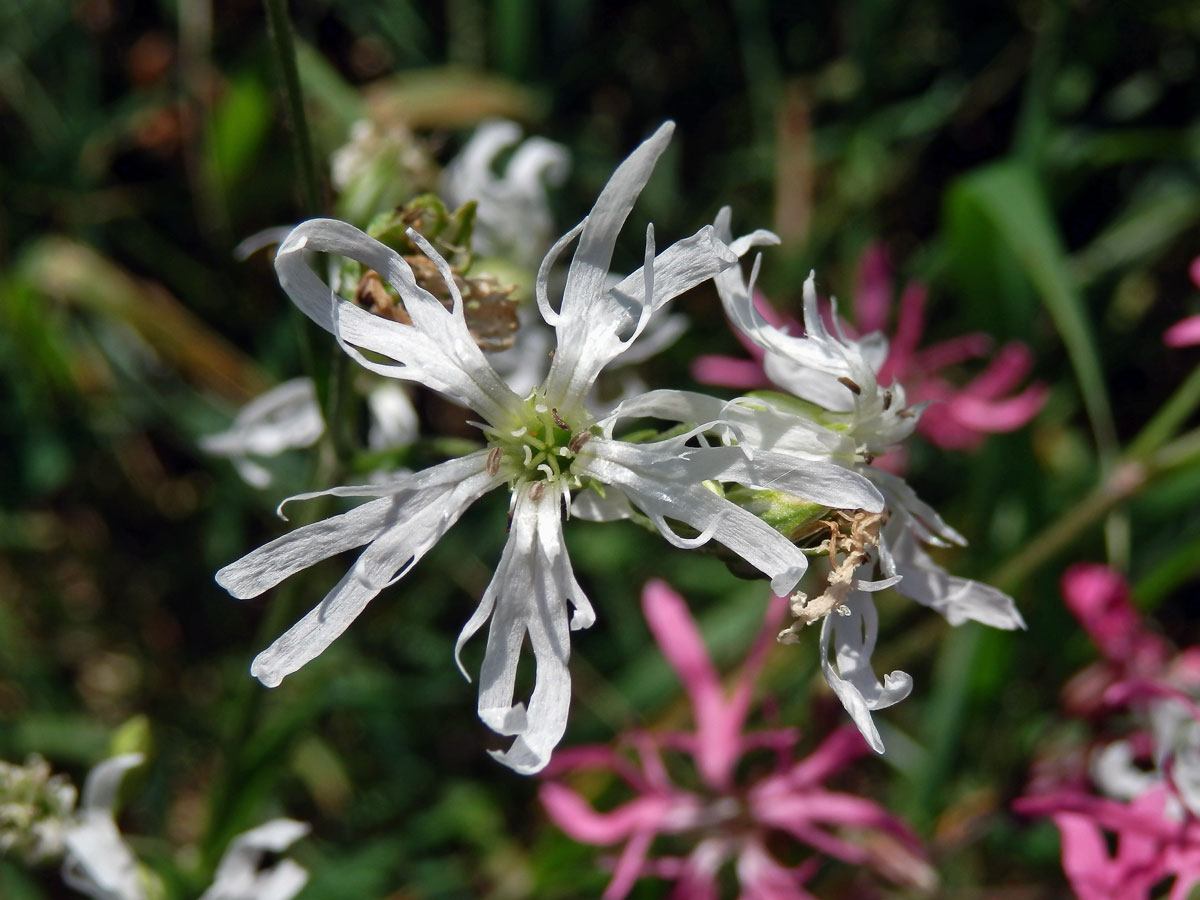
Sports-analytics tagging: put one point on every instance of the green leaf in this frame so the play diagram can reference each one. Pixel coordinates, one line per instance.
(1001, 212)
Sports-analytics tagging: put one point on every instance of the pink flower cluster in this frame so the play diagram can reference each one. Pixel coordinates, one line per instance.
(727, 819)
(1144, 791)
(958, 417)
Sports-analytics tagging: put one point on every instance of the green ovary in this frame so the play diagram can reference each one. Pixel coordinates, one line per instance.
(539, 449)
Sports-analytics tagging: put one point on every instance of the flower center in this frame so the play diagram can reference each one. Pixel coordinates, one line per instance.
(541, 448)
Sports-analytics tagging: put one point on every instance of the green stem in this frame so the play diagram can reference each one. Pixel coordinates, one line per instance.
(279, 27)
(1170, 416)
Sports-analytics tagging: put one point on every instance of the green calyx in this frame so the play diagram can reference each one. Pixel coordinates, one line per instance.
(787, 514)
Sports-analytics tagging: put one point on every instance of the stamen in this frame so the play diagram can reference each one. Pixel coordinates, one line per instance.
(535, 493)
(493, 460)
(558, 420)
(578, 440)
(850, 383)
(887, 399)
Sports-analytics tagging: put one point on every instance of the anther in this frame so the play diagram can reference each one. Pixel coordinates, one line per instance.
(850, 384)
(578, 440)
(535, 493)
(887, 399)
(493, 460)
(558, 420)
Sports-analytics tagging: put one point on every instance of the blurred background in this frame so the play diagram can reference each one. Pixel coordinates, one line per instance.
(1034, 163)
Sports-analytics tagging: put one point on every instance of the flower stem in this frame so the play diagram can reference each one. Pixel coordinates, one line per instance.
(1169, 417)
(279, 27)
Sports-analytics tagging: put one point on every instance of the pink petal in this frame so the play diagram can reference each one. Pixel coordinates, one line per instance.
(594, 756)
(833, 754)
(1007, 369)
(762, 878)
(1099, 598)
(910, 325)
(717, 727)
(1085, 859)
(873, 299)
(725, 371)
(575, 816)
(629, 866)
(952, 352)
(698, 877)
(1184, 333)
(987, 415)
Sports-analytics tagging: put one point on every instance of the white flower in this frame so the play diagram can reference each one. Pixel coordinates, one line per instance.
(288, 417)
(240, 875)
(512, 216)
(542, 446)
(100, 863)
(835, 376)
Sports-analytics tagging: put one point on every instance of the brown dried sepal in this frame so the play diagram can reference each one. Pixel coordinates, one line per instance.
(490, 311)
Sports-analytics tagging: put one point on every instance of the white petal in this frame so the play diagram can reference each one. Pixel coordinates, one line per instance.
(272, 563)
(436, 350)
(923, 580)
(677, 269)
(98, 862)
(393, 419)
(283, 418)
(589, 320)
(528, 596)
(665, 485)
(412, 527)
(238, 876)
(103, 782)
(854, 682)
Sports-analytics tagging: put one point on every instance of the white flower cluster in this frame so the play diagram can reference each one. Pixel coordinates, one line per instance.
(557, 459)
(35, 809)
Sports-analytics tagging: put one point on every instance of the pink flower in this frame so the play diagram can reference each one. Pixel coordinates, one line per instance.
(958, 417)
(1151, 779)
(1186, 332)
(728, 820)
(1099, 598)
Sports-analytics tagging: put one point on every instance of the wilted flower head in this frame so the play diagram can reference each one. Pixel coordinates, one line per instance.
(1146, 785)
(546, 447)
(727, 818)
(35, 808)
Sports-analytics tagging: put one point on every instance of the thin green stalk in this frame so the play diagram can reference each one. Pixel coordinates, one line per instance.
(1170, 416)
(248, 695)
(279, 27)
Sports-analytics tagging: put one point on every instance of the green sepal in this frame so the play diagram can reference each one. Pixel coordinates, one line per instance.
(786, 513)
(795, 406)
